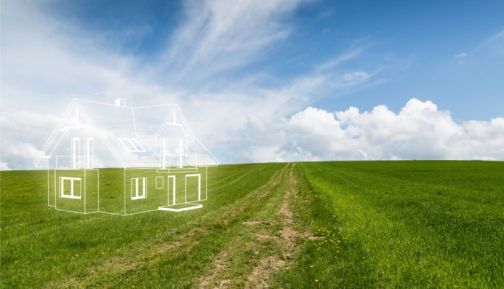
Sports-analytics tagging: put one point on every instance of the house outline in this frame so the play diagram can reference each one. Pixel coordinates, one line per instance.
(123, 160)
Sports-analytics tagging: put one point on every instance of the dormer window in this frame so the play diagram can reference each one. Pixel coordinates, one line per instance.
(132, 145)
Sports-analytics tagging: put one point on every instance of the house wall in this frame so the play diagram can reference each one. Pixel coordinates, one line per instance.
(189, 186)
(111, 188)
(79, 192)
(153, 198)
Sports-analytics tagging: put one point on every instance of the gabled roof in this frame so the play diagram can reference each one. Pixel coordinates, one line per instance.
(130, 133)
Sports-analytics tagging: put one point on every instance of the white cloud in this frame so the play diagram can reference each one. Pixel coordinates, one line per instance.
(340, 59)
(22, 136)
(494, 42)
(419, 131)
(460, 56)
(491, 46)
(354, 78)
(47, 62)
(4, 166)
(218, 36)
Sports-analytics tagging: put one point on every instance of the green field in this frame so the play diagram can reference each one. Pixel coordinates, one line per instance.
(411, 224)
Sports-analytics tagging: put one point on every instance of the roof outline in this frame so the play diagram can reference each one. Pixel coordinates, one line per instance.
(76, 105)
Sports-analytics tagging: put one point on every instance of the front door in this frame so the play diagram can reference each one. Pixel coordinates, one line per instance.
(171, 190)
(192, 188)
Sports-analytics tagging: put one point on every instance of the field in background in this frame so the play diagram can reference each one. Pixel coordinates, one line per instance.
(304, 225)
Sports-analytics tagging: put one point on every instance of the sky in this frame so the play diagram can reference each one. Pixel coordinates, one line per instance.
(265, 81)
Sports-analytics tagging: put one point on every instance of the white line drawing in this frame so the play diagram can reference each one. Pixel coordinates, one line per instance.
(71, 183)
(122, 160)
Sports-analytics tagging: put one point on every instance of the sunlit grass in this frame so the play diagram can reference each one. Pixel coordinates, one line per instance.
(358, 225)
(405, 225)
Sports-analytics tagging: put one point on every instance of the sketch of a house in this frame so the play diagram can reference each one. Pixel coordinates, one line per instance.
(118, 159)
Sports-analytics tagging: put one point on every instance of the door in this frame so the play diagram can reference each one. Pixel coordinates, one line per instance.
(192, 188)
(171, 190)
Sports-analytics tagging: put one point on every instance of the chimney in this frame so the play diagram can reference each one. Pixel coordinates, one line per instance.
(120, 102)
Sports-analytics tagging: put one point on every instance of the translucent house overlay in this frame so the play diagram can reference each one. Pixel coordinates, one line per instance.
(117, 159)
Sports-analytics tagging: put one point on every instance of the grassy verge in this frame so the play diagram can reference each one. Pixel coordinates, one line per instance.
(415, 224)
(319, 261)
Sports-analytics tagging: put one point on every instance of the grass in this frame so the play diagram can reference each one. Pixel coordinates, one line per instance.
(341, 225)
(415, 224)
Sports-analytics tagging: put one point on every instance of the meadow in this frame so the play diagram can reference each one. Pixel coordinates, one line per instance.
(405, 224)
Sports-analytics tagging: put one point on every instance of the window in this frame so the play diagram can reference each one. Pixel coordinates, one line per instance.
(132, 145)
(138, 188)
(159, 182)
(75, 152)
(70, 188)
(89, 153)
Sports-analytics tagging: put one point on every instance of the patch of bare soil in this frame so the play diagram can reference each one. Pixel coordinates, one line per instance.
(184, 241)
(210, 280)
(252, 223)
(125, 264)
(259, 276)
(265, 236)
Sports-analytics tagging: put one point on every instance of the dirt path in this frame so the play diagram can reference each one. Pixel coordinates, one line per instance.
(228, 214)
(270, 264)
(264, 244)
(259, 234)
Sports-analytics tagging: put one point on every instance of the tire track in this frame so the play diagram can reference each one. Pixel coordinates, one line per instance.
(270, 235)
(228, 216)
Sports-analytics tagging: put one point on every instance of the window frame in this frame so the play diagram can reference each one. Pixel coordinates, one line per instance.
(72, 192)
(159, 185)
(135, 188)
(132, 145)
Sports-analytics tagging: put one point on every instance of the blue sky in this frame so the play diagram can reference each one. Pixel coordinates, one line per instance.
(412, 45)
(250, 71)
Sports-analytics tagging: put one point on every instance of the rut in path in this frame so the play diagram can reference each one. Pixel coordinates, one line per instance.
(116, 266)
(270, 264)
(265, 242)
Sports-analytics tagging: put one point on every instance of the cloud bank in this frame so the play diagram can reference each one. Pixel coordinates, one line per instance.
(418, 131)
